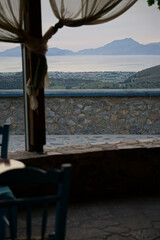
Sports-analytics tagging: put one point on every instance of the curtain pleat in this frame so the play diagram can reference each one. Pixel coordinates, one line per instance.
(88, 12)
(11, 18)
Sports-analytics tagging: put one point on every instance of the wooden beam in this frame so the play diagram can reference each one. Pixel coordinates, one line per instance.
(34, 120)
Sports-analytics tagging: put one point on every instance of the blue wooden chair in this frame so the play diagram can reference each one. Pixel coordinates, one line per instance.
(5, 191)
(39, 178)
(4, 131)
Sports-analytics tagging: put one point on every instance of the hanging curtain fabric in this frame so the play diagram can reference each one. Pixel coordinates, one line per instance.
(11, 27)
(72, 13)
(11, 18)
(11, 30)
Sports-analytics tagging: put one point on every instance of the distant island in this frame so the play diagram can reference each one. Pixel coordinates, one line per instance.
(126, 46)
(148, 78)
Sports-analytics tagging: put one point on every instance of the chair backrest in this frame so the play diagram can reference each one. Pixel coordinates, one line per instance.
(4, 131)
(40, 178)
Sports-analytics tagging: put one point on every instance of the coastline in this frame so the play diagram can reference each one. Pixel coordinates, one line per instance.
(86, 63)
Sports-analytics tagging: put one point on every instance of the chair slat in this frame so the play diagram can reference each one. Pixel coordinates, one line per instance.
(44, 221)
(11, 223)
(29, 222)
(4, 131)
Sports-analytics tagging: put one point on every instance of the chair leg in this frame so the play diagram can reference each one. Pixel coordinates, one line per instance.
(14, 217)
(4, 223)
(3, 213)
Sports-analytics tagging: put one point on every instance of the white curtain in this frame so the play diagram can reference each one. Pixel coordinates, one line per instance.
(11, 18)
(72, 13)
(86, 12)
(11, 30)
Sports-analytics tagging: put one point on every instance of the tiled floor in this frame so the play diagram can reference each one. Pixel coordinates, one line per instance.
(115, 219)
(112, 219)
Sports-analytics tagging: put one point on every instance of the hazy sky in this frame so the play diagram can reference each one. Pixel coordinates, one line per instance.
(142, 23)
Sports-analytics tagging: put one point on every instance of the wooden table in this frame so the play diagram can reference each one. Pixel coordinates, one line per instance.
(8, 164)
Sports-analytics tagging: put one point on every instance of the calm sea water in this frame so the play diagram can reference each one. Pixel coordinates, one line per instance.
(86, 63)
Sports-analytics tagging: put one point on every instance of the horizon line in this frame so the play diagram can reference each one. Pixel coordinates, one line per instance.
(74, 51)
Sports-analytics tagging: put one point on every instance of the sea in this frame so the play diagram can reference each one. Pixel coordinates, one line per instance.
(84, 63)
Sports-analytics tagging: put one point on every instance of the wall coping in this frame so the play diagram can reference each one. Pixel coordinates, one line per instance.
(88, 93)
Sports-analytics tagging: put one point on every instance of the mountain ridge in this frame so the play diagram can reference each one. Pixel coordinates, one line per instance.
(146, 78)
(127, 46)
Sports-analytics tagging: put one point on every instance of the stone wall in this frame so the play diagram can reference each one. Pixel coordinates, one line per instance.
(12, 111)
(89, 115)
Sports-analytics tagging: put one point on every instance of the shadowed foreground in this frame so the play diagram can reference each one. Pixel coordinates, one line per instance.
(124, 166)
(111, 219)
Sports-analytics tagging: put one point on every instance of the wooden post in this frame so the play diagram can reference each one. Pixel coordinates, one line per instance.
(34, 120)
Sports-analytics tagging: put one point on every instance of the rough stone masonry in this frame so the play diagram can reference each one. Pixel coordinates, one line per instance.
(89, 115)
